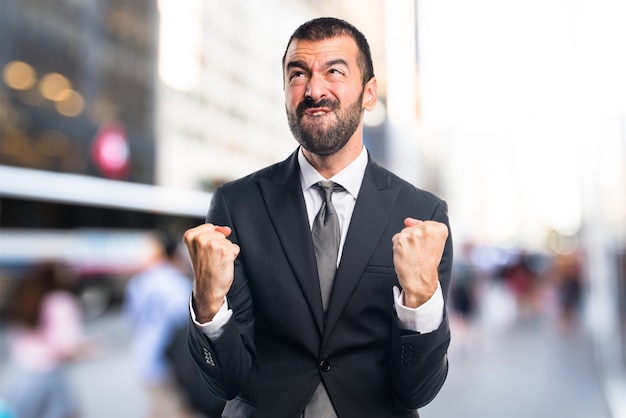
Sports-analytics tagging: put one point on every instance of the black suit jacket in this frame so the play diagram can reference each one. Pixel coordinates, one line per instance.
(278, 345)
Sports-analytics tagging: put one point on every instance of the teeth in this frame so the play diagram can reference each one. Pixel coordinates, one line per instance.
(318, 113)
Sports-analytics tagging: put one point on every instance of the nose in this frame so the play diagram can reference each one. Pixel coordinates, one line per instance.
(315, 88)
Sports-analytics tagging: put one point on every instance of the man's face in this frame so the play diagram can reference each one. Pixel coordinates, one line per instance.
(323, 93)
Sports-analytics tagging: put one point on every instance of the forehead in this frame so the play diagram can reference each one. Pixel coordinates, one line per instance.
(309, 52)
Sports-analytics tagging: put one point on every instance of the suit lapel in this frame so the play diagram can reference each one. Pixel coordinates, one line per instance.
(371, 213)
(285, 204)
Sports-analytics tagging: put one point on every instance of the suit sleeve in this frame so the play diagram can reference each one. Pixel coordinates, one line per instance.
(226, 363)
(419, 361)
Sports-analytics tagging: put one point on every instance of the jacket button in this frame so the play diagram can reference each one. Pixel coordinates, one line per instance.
(325, 366)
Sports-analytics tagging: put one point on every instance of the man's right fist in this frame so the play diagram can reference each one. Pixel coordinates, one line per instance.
(213, 260)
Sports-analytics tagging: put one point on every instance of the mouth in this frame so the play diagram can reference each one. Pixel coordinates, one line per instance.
(313, 109)
(317, 112)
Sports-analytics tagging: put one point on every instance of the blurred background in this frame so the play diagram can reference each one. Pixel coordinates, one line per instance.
(119, 118)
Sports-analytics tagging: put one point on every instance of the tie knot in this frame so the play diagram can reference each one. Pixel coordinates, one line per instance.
(327, 187)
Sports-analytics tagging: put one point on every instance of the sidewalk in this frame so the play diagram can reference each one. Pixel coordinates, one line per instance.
(527, 371)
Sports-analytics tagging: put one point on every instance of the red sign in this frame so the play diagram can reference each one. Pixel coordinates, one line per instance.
(110, 152)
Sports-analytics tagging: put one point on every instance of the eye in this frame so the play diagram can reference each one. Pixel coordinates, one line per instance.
(298, 78)
(336, 74)
(296, 74)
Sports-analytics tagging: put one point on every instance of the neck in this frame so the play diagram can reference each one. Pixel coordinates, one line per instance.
(329, 165)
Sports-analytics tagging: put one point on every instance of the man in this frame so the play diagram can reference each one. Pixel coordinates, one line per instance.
(267, 331)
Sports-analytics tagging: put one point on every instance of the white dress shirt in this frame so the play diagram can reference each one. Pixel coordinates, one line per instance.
(423, 319)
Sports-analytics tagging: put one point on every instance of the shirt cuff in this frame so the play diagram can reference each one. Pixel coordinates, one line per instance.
(213, 329)
(423, 319)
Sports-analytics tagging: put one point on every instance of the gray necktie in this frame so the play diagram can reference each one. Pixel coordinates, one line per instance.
(326, 237)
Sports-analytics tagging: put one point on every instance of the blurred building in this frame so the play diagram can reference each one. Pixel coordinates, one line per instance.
(77, 95)
(220, 107)
(155, 92)
(73, 73)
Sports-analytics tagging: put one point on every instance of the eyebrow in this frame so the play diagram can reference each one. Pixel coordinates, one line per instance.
(301, 64)
(340, 61)
(296, 64)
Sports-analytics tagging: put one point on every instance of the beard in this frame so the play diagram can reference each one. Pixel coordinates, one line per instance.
(320, 135)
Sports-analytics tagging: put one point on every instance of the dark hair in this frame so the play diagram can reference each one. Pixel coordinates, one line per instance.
(169, 243)
(43, 278)
(323, 28)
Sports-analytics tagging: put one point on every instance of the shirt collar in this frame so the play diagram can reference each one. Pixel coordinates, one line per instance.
(350, 177)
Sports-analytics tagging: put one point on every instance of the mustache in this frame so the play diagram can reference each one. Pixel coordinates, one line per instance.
(308, 103)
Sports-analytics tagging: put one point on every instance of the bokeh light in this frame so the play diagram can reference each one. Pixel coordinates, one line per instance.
(19, 75)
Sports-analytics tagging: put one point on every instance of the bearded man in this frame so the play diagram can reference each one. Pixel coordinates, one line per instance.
(320, 282)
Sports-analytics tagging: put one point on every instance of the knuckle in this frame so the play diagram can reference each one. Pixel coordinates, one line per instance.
(189, 235)
(442, 229)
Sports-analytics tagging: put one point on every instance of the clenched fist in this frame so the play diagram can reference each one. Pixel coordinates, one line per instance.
(417, 252)
(213, 260)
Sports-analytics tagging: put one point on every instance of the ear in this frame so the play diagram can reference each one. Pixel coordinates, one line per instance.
(370, 94)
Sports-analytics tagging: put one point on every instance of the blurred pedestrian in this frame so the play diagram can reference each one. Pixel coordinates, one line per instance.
(497, 300)
(522, 282)
(464, 284)
(157, 305)
(569, 281)
(463, 296)
(45, 335)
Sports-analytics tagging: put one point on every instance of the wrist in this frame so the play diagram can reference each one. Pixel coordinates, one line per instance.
(205, 311)
(414, 298)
